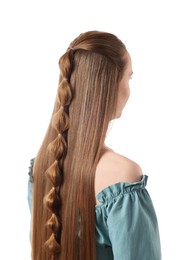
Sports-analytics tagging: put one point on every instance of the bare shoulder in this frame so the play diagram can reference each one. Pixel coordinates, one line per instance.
(113, 168)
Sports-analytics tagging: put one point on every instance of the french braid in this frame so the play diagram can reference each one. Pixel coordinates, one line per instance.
(58, 150)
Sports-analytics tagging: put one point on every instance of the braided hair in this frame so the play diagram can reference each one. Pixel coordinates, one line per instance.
(58, 149)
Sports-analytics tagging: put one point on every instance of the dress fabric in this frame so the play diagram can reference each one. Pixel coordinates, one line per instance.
(126, 223)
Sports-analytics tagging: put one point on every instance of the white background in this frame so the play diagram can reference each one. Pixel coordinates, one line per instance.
(154, 129)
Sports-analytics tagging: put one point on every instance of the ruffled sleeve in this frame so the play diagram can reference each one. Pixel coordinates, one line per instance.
(131, 221)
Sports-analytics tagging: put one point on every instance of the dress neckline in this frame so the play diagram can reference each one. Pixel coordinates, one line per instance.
(119, 188)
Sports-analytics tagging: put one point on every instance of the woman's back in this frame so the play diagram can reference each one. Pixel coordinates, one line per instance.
(125, 220)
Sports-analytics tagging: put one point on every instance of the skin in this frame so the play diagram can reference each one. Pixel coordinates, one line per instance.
(112, 167)
(124, 90)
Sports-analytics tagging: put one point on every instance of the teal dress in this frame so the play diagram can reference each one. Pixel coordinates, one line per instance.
(126, 223)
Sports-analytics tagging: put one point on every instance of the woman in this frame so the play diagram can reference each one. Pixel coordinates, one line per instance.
(88, 201)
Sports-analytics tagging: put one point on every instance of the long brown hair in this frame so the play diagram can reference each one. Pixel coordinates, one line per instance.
(63, 225)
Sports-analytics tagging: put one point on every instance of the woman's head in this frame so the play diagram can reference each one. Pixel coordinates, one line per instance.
(93, 89)
(99, 61)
